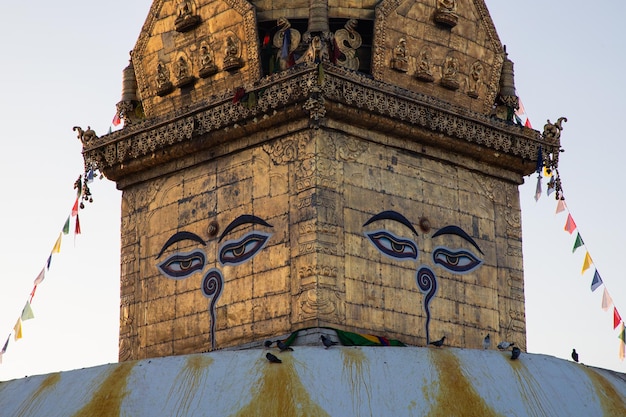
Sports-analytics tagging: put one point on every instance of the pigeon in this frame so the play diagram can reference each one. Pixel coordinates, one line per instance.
(282, 346)
(486, 342)
(515, 353)
(439, 342)
(272, 358)
(574, 355)
(268, 343)
(327, 342)
(505, 345)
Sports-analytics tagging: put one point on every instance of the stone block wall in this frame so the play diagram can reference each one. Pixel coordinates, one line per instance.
(306, 260)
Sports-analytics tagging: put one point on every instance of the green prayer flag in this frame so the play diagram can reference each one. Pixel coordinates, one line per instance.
(27, 312)
(578, 243)
(66, 226)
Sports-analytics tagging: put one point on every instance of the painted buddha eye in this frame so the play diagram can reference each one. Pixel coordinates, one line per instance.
(182, 265)
(392, 246)
(235, 252)
(460, 261)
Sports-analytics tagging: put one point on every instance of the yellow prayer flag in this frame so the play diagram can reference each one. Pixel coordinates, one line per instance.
(57, 244)
(17, 329)
(586, 263)
(622, 346)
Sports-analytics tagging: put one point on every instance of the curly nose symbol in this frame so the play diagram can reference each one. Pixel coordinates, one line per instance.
(212, 285)
(427, 283)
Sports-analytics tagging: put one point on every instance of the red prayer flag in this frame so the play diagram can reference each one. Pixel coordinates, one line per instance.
(75, 208)
(616, 318)
(77, 227)
(570, 226)
(116, 119)
(527, 124)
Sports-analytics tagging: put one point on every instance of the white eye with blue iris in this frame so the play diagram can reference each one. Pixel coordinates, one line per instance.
(456, 261)
(392, 245)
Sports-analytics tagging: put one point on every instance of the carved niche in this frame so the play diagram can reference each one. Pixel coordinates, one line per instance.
(232, 60)
(186, 19)
(399, 62)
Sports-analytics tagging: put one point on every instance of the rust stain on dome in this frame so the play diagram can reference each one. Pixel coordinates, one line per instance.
(611, 401)
(280, 392)
(355, 367)
(190, 382)
(107, 400)
(456, 396)
(34, 404)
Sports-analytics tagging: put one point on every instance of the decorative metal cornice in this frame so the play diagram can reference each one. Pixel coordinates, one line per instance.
(292, 91)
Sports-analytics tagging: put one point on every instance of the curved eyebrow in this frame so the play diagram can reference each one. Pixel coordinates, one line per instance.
(456, 230)
(177, 237)
(391, 215)
(241, 220)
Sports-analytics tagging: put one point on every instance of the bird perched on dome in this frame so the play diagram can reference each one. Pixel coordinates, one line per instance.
(282, 346)
(515, 353)
(327, 342)
(439, 342)
(574, 355)
(505, 345)
(272, 358)
(487, 342)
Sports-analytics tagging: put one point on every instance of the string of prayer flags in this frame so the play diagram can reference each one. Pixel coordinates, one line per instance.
(596, 282)
(617, 319)
(27, 312)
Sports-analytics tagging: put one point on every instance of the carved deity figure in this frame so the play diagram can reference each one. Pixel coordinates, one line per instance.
(183, 73)
(424, 72)
(164, 85)
(232, 60)
(163, 75)
(446, 13)
(184, 9)
(475, 79)
(450, 73)
(399, 62)
(185, 20)
(207, 63)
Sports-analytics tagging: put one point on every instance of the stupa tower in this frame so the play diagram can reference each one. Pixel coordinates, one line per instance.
(301, 164)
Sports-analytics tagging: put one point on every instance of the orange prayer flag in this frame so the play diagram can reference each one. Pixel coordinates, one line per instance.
(57, 244)
(587, 263)
(616, 318)
(570, 225)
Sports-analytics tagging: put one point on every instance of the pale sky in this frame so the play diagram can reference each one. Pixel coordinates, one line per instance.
(62, 64)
